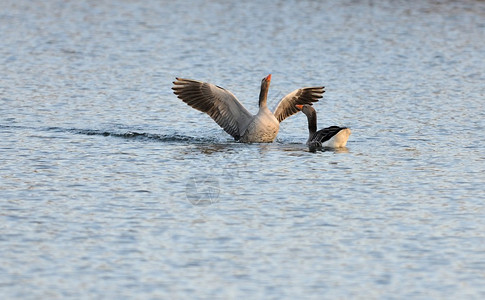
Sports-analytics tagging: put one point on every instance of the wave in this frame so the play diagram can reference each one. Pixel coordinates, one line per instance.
(167, 138)
(164, 138)
(127, 134)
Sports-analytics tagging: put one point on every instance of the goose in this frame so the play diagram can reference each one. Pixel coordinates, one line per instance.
(332, 137)
(226, 110)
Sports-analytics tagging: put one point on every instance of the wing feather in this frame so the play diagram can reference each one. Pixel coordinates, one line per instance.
(286, 106)
(220, 104)
(325, 134)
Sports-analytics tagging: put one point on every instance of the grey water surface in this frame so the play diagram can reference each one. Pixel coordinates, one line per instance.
(112, 188)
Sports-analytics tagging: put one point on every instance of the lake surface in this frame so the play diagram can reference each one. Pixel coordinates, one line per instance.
(112, 188)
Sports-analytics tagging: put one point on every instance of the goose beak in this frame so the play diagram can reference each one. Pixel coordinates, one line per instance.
(268, 78)
(300, 107)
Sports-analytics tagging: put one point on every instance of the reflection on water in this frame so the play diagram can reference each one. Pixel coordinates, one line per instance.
(314, 149)
(111, 187)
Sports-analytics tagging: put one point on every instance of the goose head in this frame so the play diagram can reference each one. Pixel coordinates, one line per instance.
(264, 90)
(306, 109)
(266, 80)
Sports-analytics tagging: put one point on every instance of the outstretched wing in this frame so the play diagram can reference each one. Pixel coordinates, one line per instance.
(286, 106)
(220, 104)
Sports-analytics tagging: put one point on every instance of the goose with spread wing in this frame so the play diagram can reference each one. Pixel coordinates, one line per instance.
(224, 108)
(332, 137)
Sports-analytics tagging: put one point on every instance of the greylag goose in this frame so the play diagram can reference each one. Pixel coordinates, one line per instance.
(333, 136)
(224, 108)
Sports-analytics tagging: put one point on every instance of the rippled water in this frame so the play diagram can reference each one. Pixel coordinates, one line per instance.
(111, 187)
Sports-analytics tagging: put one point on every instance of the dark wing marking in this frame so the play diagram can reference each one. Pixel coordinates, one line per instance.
(325, 134)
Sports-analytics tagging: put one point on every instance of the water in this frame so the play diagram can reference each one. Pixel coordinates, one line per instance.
(111, 187)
